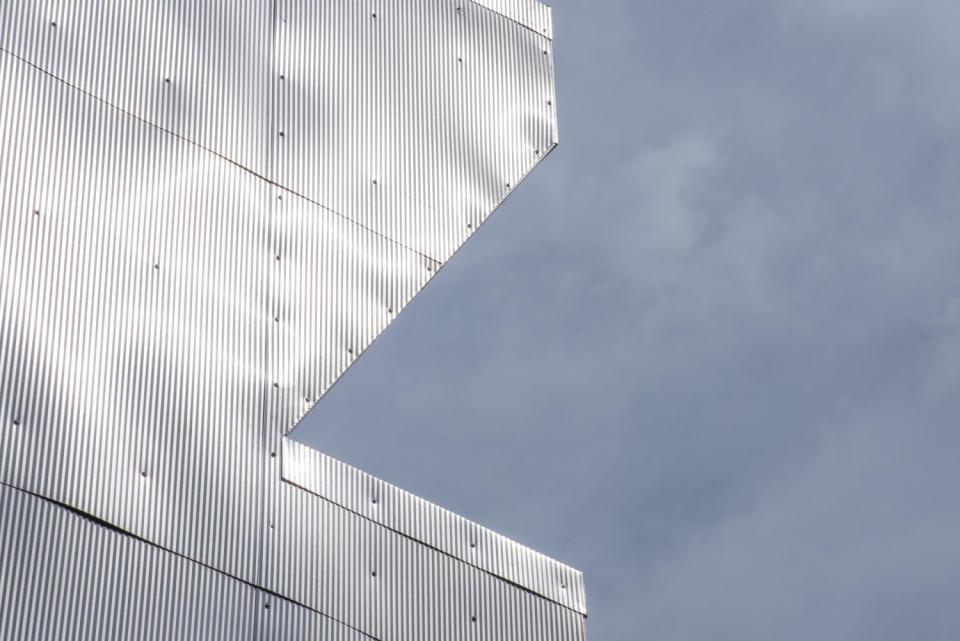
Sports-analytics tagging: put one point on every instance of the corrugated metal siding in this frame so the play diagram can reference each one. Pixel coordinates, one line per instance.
(133, 322)
(64, 577)
(413, 517)
(180, 284)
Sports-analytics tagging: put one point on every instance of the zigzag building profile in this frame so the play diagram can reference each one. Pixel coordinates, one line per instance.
(209, 209)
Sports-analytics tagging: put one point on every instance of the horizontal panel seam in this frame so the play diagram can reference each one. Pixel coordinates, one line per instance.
(122, 532)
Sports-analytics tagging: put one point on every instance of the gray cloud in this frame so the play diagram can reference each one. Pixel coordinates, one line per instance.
(710, 352)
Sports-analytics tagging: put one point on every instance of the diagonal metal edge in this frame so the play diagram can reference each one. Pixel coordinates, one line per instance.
(235, 163)
(545, 33)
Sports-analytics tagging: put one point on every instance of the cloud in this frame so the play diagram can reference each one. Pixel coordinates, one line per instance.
(857, 544)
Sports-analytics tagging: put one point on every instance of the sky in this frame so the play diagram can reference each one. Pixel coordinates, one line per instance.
(709, 352)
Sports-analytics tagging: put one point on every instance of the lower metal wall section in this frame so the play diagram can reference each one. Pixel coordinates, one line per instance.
(66, 577)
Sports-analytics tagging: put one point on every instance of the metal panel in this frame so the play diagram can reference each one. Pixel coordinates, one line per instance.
(431, 525)
(415, 119)
(65, 577)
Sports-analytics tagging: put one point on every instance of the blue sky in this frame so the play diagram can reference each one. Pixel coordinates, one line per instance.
(709, 352)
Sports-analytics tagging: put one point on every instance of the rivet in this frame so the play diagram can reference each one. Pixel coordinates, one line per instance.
(374, 181)
(16, 422)
(266, 606)
(472, 544)
(563, 586)
(536, 152)
(459, 59)
(156, 266)
(350, 350)
(36, 212)
(281, 134)
(550, 102)
(390, 310)
(53, 24)
(374, 15)
(280, 197)
(374, 573)
(374, 501)
(278, 258)
(167, 80)
(143, 473)
(276, 319)
(544, 52)
(273, 455)
(473, 618)
(276, 385)
(508, 185)
(282, 77)
(307, 399)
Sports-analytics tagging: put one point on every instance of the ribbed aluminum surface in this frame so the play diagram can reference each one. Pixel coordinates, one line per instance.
(180, 284)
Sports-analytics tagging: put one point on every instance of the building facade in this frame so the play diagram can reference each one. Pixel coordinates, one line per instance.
(210, 209)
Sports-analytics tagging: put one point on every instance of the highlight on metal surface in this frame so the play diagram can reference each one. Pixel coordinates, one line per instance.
(210, 209)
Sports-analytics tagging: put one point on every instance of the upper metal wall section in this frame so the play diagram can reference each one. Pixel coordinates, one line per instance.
(65, 578)
(414, 119)
(208, 211)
